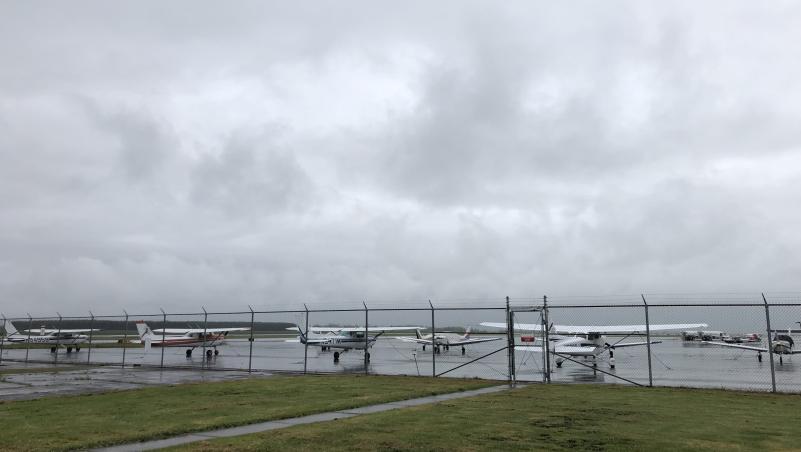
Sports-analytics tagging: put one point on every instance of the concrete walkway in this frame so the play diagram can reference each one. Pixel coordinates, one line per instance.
(283, 423)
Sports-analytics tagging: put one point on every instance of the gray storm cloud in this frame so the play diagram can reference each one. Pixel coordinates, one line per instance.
(195, 154)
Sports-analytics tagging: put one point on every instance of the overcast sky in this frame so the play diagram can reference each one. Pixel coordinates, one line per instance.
(187, 154)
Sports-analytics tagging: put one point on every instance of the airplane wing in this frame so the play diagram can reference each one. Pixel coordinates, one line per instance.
(46, 332)
(197, 330)
(601, 329)
(744, 347)
(475, 341)
(564, 350)
(318, 329)
(574, 350)
(633, 344)
(315, 341)
(518, 326)
(415, 340)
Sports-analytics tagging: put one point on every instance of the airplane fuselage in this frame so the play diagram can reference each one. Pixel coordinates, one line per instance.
(210, 340)
(48, 339)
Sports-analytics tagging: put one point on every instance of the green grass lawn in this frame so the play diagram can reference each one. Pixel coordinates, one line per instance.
(78, 422)
(556, 417)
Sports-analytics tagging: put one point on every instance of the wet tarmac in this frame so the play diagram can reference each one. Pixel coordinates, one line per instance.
(25, 386)
(674, 363)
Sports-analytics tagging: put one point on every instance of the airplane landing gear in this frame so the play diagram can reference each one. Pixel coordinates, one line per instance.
(559, 362)
(611, 358)
(69, 349)
(52, 349)
(463, 351)
(77, 349)
(208, 354)
(367, 356)
(216, 352)
(781, 360)
(336, 357)
(437, 350)
(424, 347)
(189, 353)
(759, 356)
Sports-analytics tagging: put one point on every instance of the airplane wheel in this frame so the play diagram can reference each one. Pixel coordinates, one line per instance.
(208, 354)
(52, 349)
(216, 352)
(77, 349)
(69, 349)
(463, 351)
(189, 353)
(437, 350)
(336, 357)
(759, 357)
(447, 348)
(424, 348)
(781, 360)
(559, 364)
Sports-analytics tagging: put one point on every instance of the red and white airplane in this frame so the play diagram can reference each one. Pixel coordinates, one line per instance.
(190, 338)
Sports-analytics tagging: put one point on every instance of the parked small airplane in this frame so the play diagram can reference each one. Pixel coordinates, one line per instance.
(347, 338)
(190, 338)
(446, 340)
(315, 337)
(782, 345)
(68, 338)
(588, 341)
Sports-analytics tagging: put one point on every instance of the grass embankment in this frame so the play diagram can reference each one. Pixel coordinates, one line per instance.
(556, 417)
(79, 422)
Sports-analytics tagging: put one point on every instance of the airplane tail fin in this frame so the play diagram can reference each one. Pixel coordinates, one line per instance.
(145, 334)
(10, 330)
(302, 336)
(467, 333)
(418, 333)
(144, 331)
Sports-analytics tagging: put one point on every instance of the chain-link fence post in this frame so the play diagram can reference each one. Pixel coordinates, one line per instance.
(124, 337)
(306, 342)
(28, 340)
(770, 345)
(250, 339)
(163, 334)
(91, 330)
(648, 341)
(58, 335)
(510, 343)
(433, 342)
(366, 340)
(547, 339)
(3, 339)
(203, 362)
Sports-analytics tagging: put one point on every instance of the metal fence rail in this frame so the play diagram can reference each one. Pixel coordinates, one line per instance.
(312, 340)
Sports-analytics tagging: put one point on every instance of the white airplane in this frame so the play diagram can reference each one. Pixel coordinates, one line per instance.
(315, 337)
(190, 338)
(446, 340)
(588, 341)
(347, 338)
(782, 345)
(68, 338)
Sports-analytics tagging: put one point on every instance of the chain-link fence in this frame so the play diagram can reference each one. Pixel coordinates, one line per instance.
(742, 342)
